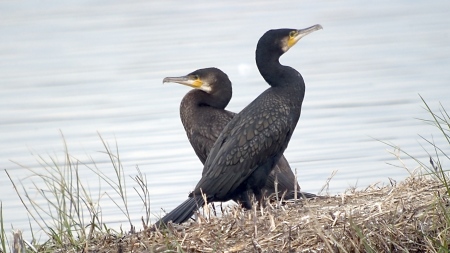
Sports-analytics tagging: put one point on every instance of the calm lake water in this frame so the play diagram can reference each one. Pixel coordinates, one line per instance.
(89, 67)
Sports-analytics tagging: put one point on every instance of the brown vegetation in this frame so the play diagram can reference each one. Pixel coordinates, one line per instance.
(407, 217)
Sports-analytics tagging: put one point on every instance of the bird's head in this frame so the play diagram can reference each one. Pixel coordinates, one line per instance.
(208, 80)
(281, 40)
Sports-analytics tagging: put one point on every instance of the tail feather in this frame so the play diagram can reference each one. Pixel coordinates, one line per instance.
(300, 195)
(286, 182)
(283, 175)
(182, 212)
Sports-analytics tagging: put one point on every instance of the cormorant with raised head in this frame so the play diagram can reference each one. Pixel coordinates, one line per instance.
(203, 115)
(254, 140)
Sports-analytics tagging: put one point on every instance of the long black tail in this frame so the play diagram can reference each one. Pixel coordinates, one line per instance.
(300, 195)
(182, 212)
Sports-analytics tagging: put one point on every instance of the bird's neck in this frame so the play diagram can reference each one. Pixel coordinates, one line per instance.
(277, 75)
(198, 98)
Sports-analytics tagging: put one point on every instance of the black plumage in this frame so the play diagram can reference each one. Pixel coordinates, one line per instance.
(254, 140)
(203, 115)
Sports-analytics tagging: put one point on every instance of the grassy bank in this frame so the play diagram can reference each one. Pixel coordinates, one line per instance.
(408, 216)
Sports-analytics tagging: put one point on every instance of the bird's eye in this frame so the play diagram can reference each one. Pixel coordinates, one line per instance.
(292, 34)
(197, 77)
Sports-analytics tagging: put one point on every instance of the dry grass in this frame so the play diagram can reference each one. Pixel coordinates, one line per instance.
(409, 217)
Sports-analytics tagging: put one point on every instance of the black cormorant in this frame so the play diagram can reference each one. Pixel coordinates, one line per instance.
(203, 115)
(254, 140)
